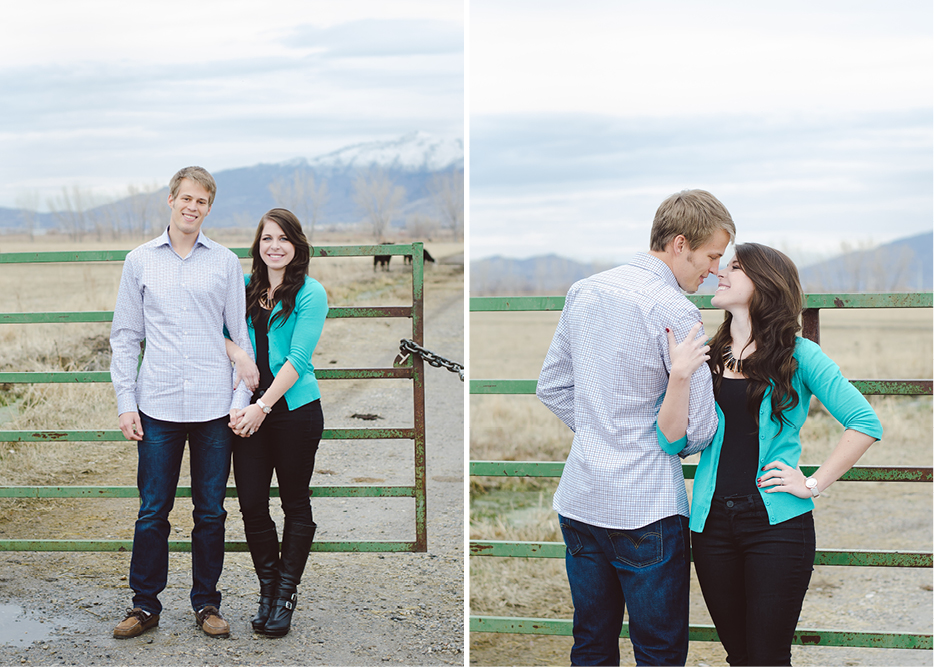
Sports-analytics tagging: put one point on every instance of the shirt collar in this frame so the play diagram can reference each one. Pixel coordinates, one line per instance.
(201, 240)
(653, 264)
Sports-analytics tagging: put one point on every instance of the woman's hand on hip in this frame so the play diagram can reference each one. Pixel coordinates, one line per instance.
(781, 477)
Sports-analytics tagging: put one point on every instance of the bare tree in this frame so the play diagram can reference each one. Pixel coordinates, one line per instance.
(70, 211)
(113, 213)
(447, 191)
(152, 208)
(379, 199)
(420, 226)
(302, 195)
(862, 267)
(28, 204)
(854, 269)
(888, 269)
(101, 218)
(138, 210)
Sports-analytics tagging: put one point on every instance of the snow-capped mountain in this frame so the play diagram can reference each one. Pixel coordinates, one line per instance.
(416, 151)
(243, 194)
(409, 161)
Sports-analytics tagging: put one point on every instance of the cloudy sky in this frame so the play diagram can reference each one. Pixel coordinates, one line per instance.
(105, 93)
(812, 122)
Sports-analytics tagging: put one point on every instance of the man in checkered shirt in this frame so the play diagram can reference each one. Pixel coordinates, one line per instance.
(622, 502)
(177, 293)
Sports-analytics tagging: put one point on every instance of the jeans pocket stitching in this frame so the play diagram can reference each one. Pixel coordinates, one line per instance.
(570, 535)
(659, 551)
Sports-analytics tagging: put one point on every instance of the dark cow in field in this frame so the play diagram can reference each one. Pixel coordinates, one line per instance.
(425, 255)
(382, 261)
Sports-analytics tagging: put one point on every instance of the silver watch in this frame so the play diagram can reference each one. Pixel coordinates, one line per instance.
(265, 408)
(811, 483)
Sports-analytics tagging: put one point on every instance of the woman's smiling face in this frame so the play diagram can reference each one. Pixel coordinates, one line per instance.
(274, 246)
(734, 288)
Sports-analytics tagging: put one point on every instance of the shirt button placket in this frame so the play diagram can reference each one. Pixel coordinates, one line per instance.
(186, 344)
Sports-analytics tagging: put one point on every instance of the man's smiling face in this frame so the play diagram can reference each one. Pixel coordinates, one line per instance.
(190, 207)
(692, 266)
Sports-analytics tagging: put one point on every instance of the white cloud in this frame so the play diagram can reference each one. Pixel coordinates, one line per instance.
(678, 58)
(182, 31)
(817, 180)
(105, 92)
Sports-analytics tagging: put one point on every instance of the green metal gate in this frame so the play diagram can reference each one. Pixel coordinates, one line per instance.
(412, 368)
(811, 329)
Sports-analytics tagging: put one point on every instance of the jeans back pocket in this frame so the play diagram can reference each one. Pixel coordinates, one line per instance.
(641, 547)
(572, 539)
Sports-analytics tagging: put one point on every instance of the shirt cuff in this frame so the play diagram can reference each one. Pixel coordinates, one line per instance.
(126, 403)
(670, 447)
(241, 399)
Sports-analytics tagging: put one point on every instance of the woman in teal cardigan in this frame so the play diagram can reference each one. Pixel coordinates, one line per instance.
(752, 530)
(281, 428)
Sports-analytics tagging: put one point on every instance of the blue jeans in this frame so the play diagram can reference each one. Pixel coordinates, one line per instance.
(648, 571)
(160, 460)
(754, 576)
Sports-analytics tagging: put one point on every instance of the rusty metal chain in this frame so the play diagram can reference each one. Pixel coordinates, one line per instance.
(408, 347)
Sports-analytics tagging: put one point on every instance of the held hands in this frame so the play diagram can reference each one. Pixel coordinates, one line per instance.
(782, 477)
(689, 355)
(131, 426)
(247, 421)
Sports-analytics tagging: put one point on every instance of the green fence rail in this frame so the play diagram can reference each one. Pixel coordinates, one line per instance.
(813, 303)
(707, 633)
(412, 369)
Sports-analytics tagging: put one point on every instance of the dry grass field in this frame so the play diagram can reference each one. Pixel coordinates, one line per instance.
(865, 343)
(91, 286)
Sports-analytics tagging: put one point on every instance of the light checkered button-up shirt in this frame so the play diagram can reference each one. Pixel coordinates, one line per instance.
(605, 376)
(180, 306)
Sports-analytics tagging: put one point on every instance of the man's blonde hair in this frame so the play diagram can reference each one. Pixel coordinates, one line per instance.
(695, 214)
(200, 176)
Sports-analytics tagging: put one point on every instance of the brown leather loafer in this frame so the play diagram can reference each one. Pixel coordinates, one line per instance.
(210, 620)
(136, 623)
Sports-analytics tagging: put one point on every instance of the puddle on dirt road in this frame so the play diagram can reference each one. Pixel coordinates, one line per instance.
(16, 629)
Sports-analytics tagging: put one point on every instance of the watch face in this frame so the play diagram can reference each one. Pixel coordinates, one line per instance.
(810, 482)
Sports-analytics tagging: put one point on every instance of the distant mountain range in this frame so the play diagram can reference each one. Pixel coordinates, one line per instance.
(549, 274)
(904, 265)
(243, 194)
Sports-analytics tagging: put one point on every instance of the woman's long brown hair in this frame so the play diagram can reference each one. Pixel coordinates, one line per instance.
(773, 312)
(295, 272)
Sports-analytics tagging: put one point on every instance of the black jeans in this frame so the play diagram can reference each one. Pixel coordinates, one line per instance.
(287, 442)
(754, 577)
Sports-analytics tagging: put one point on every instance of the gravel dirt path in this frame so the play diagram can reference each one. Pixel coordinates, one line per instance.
(353, 609)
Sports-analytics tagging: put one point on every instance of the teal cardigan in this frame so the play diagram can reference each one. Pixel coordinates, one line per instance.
(295, 340)
(816, 375)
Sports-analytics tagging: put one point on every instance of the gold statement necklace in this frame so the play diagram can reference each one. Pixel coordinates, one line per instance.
(731, 362)
(264, 301)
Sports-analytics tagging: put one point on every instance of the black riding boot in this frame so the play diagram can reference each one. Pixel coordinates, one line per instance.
(296, 543)
(264, 548)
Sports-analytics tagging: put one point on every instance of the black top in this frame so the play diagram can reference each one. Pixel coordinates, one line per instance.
(260, 328)
(739, 457)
